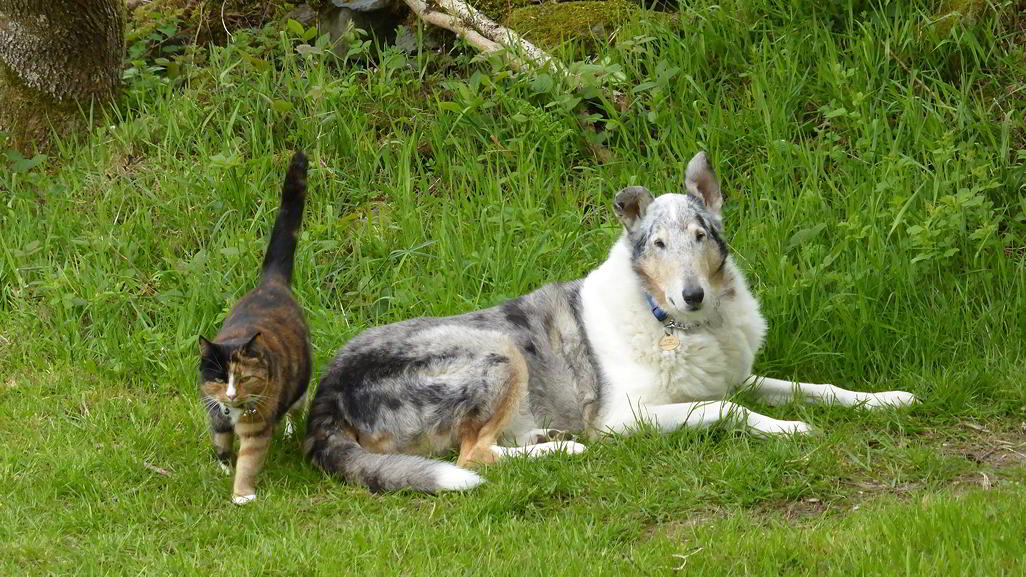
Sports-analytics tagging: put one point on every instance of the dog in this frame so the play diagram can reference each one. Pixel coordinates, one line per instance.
(662, 332)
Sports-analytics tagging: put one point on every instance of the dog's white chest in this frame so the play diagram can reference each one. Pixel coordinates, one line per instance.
(707, 364)
(702, 366)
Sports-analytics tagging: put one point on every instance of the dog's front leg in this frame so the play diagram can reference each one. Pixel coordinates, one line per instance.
(778, 392)
(701, 415)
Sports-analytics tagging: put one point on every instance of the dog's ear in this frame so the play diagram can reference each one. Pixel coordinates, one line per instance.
(701, 182)
(630, 205)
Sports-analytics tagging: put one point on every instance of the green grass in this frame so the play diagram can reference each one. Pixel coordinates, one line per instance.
(874, 163)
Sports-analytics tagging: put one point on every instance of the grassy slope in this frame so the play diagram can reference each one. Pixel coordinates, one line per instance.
(850, 146)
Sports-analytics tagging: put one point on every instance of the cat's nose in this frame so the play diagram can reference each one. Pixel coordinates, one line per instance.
(230, 395)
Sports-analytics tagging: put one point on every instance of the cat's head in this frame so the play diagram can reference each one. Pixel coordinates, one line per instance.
(235, 374)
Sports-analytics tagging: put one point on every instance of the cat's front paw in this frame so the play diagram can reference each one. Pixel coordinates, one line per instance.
(243, 499)
(893, 399)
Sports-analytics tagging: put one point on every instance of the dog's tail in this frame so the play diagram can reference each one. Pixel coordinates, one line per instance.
(281, 250)
(335, 451)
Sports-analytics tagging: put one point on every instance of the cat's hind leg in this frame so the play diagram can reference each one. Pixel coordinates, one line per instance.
(223, 444)
(294, 414)
(223, 435)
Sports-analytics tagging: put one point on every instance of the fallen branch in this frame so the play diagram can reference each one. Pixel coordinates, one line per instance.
(487, 36)
(483, 33)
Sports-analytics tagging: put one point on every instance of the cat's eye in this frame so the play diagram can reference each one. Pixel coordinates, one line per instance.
(699, 235)
(659, 243)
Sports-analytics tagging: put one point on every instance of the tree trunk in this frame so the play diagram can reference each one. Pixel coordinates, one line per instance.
(55, 57)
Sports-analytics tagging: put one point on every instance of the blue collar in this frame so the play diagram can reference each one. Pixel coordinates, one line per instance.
(657, 312)
(670, 324)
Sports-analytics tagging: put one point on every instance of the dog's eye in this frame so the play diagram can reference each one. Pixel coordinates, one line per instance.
(659, 243)
(699, 235)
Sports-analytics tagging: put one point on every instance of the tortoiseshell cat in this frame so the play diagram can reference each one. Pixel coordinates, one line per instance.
(258, 366)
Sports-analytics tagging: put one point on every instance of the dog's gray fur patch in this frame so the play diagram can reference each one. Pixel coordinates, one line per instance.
(423, 377)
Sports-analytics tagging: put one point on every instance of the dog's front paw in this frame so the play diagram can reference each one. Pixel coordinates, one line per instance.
(570, 447)
(891, 399)
(243, 499)
(767, 427)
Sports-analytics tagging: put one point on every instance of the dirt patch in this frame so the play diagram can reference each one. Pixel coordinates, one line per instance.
(681, 527)
(808, 507)
(990, 444)
(996, 456)
(996, 452)
(875, 487)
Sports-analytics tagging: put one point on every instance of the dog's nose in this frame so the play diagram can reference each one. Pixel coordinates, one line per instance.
(693, 296)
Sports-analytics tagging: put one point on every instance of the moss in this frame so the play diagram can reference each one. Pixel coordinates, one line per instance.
(499, 9)
(587, 23)
(28, 115)
(953, 11)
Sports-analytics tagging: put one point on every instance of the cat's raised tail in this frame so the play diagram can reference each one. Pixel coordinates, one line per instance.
(281, 250)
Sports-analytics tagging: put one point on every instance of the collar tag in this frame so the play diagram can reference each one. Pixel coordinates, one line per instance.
(669, 341)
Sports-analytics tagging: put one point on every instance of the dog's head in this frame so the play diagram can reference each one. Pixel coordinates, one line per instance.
(676, 240)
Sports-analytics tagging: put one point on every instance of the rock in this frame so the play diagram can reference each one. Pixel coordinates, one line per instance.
(304, 14)
(365, 5)
(406, 39)
(379, 18)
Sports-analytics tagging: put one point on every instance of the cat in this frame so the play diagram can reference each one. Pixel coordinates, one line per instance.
(257, 368)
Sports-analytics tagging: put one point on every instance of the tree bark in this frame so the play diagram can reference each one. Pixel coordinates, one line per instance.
(56, 56)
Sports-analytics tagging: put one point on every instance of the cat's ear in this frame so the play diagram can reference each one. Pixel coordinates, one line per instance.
(249, 349)
(207, 348)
